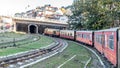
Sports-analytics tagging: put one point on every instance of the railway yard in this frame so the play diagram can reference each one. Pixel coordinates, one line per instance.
(74, 56)
(39, 51)
(60, 34)
(22, 43)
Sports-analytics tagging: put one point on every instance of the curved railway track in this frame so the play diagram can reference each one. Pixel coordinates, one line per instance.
(18, 60)
(11, 43)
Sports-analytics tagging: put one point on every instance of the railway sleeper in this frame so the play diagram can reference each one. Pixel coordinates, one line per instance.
(29, 55)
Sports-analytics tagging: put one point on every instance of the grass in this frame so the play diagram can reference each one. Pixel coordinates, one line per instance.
(82, 55)
(9, 36)
(42, 42)
(34, 45)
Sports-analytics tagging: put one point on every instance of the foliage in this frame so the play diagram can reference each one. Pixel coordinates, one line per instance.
(95, 14)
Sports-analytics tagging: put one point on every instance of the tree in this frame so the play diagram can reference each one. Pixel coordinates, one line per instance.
(95, 14)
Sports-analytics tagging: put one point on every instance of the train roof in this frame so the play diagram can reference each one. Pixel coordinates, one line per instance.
(67, 30)
(111, 29)
(52, 29)
(84, 31)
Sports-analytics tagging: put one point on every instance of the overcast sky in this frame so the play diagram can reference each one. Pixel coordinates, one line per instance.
(9, 7)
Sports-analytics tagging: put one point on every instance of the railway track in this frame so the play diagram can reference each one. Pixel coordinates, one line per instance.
(103, 61)
(17, 42)
(25, 58)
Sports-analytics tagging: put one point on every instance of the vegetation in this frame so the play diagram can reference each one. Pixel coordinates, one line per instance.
(25, 47)
(82, 55)
(95, 14)
(10, 36)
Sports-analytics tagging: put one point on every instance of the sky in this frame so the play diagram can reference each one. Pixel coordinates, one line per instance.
(10, 7)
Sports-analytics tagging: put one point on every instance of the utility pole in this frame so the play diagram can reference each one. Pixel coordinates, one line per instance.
(14, 42)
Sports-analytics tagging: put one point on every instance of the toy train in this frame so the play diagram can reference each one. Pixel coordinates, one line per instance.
(107, 41)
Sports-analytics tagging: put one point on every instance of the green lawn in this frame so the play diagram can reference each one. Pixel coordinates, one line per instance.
(9, 36)
(82, 55)
(33, 45)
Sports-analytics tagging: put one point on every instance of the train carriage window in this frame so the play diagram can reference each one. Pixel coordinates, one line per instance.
(70, 34)
(80, 35)
(97, 39)
(65, 34)
(88, 36)
(62, 33)
(103, 39)
(54, 32)
(111, 42)
(84, 36)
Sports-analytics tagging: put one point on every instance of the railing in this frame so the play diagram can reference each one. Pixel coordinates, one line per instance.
(40, 19)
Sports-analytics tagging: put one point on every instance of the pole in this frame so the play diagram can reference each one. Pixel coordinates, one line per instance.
(14, 42)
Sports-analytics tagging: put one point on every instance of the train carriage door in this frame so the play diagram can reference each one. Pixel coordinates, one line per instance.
(118, 52)
(103, 42)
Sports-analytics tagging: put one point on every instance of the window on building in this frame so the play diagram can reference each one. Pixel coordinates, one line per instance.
(111, 42)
